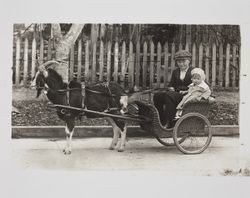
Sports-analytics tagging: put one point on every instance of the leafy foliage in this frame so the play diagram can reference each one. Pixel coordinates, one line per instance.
(156, 32)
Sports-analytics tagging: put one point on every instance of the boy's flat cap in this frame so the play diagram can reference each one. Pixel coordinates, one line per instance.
(182, 54)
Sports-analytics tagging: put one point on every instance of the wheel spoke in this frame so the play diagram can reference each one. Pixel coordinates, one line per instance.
(196, 137)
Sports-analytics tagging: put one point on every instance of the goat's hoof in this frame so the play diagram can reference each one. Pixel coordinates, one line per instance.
(111, 148)
(66, 152)
(120, 150)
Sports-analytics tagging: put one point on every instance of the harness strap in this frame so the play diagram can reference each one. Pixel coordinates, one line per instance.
(108, 110)
(68, 95)
(102, 93)
(106, 85)
(109, 94)
(68, 89)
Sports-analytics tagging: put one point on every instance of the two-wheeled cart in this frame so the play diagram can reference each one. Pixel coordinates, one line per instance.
(191, 133)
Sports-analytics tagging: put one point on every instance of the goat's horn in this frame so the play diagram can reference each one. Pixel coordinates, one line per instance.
(48, 63)
(44, 66)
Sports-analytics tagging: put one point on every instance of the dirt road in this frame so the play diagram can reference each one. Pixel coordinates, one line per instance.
(222, 157)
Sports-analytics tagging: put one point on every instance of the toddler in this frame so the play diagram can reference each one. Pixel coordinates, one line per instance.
(198, 89)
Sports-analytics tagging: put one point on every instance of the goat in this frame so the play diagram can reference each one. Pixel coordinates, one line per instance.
(99, 97)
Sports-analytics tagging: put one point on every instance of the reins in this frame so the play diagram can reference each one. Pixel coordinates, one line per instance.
(58, 90)
(101, 93)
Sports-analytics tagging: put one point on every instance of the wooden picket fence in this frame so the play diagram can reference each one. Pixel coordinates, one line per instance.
(146, 65)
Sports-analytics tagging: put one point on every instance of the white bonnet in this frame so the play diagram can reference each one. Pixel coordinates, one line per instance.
(198, 71)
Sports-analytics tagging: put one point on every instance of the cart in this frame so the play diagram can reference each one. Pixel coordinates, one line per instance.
(191, 133)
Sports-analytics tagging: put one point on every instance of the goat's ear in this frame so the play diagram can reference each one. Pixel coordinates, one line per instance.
(33, 83)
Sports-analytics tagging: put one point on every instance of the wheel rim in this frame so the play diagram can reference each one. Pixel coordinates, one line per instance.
(195, 129)
(169, 141)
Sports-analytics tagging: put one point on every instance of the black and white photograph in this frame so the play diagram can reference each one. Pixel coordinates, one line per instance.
(109, 102)
(149, 91)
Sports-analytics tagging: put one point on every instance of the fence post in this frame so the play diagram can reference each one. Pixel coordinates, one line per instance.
(93, 72)
(79, 61)
(220, 76)
(124, 68)
(33, 58)
(166, 65)
(53, 52)
(158, 65)
(172, 57)
(207, 63)
(116, 62)
(200, 55)
(214, 65)
(194, 55)
(144, 65)
(227, 65)
(72, 62)
(87, 76)
(151, 69)
(137, 64)
(239, 64)
(180, 46)
(131, 65)
(26, 60)
(18, 50)
(187, 47)
(109, 61)
(234, 67)
(49, 54)
(101, 62)
(41, 50)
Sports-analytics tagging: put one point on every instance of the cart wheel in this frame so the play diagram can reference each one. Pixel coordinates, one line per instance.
(195, 129)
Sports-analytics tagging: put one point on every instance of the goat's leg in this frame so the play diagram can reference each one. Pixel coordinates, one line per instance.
(65, 150)
(69, 130)
(116, 132)
(115, 140)
(123, 139)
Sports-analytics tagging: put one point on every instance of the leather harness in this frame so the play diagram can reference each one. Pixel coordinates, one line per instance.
(109, 94)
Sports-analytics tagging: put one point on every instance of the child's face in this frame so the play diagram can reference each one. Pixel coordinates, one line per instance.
(196, 79)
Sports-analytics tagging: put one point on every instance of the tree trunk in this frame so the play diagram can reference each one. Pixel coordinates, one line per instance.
(63, 45)
(94, 33)
(135, 34)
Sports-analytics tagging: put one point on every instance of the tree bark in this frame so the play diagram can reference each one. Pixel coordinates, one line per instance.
(56, 32)
(62, 47)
